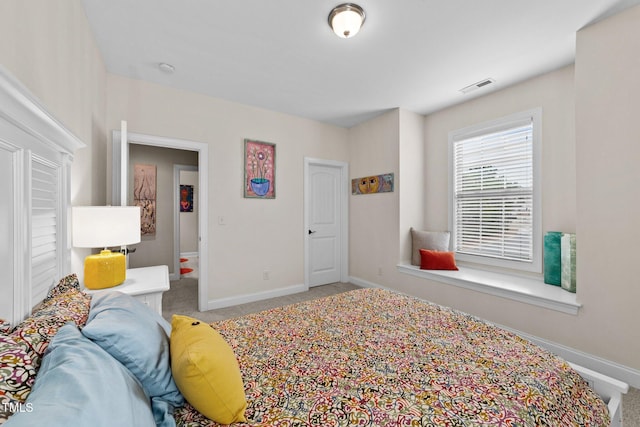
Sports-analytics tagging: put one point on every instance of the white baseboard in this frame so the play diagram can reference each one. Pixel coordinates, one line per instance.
(176, 274)
(189, 254)
(606, 367)
(366, 284)
(258, 296)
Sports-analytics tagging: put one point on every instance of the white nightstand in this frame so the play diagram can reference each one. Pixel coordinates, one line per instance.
(146, 284)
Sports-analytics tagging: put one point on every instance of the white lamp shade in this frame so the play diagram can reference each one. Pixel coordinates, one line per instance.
(105, 226)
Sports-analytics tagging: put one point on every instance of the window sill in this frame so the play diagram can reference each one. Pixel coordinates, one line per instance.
(528, 290)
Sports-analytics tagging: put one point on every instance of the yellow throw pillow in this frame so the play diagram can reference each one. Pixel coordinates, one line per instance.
(206, 370)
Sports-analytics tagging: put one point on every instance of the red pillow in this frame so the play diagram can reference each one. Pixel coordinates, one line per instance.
(437, 260)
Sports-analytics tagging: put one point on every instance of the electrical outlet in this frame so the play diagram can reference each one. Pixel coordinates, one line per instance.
(265, 275)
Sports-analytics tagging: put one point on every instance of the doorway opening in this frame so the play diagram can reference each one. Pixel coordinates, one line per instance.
(122, 141)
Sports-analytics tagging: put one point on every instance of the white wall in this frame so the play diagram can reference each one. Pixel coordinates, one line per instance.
(258, 234)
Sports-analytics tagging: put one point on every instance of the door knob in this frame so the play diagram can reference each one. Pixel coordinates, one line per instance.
(311, 232)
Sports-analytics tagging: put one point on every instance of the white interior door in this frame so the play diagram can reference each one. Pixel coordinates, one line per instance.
(120, 190)
(325, 223)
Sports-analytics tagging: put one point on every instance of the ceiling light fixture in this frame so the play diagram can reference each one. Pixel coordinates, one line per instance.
(346, 20)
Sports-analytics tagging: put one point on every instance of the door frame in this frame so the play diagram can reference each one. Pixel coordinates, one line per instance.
(120, 144)
(344, 215)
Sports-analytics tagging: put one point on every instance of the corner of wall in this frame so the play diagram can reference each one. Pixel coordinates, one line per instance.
(411, 178)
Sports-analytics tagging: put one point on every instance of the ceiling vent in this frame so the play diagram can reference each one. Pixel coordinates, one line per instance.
(477, 85)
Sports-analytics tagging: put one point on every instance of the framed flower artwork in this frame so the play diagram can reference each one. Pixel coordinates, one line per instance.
(259, 169)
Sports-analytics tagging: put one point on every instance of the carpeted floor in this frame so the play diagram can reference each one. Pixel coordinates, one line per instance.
(631, 408)
(182, 299)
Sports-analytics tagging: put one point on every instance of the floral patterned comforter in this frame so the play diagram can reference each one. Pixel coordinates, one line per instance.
(372, 357)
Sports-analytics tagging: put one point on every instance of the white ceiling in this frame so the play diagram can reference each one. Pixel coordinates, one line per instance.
(281, 54)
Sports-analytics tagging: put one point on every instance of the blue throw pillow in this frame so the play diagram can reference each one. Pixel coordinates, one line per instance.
(137, 337)
(79, 384)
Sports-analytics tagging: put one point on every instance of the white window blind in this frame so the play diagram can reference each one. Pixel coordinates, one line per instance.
(493, 191)
(44, 226)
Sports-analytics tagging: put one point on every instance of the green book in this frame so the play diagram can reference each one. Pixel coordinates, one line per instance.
(568, 262)
(552, 261)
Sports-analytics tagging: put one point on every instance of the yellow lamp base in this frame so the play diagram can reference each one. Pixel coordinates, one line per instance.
(104, 270)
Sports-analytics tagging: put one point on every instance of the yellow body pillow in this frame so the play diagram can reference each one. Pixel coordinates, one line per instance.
(206, 371)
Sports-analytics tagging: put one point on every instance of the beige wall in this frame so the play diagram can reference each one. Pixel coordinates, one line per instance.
(554, 93)
(158, 249)
(412, 182)
(393, 142)
(48, 47)
(374, 218)
(258, 234)
(589, 168)
(608, 173)
(422, 183)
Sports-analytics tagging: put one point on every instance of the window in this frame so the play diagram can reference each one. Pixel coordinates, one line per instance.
(494, 192)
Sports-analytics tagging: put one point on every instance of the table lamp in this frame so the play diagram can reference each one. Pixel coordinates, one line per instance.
(103, 227)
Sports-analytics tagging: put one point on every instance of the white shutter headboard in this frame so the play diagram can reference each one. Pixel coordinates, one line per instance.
(36, 151)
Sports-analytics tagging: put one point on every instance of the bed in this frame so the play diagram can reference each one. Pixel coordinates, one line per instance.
(378, 358)
(367, 357)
